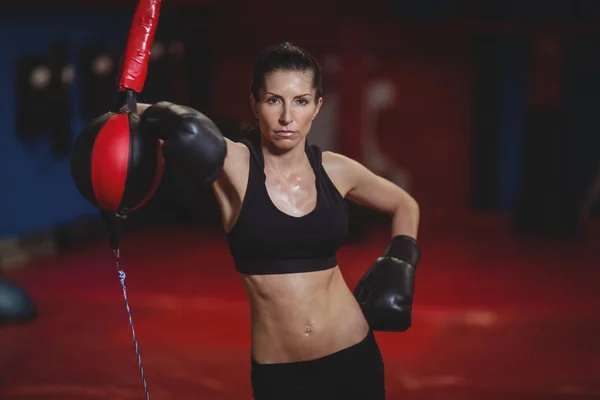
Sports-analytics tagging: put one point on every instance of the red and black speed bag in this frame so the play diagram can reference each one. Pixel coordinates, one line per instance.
(114, 167)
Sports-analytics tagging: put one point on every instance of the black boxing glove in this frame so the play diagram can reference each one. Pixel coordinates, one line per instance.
(385, 293)
(191, 141)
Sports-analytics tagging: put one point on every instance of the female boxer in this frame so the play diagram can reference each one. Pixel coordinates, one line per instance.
(283, 211)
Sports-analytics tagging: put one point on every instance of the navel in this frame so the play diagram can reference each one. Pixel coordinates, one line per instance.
(307, 331)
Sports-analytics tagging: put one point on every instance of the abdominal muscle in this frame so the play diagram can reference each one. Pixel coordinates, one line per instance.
(304, 316)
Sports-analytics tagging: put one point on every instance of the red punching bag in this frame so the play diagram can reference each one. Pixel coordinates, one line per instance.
(114, 167)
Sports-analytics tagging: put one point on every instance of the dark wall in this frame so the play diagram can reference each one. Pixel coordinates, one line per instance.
(429, 131)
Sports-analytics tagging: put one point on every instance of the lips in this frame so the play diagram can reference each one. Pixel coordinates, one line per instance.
(284, 133)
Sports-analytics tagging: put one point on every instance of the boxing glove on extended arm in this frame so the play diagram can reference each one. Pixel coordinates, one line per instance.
(385, 293)
(191, 141)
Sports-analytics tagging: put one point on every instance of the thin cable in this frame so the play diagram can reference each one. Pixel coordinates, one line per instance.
(135, 343)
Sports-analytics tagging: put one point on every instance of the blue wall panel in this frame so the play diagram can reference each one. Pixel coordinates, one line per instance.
(37, 192)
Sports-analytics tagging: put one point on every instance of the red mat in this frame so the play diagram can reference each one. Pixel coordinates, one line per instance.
(494, 318)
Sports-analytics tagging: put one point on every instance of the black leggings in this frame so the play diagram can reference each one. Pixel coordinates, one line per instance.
(353, 373)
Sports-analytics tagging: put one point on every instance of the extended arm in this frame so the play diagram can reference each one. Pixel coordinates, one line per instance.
(193, 144)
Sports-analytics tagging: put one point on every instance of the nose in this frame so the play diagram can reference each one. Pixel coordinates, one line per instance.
(286, 117)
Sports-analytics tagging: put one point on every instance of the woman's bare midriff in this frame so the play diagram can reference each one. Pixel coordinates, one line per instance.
(304, 316)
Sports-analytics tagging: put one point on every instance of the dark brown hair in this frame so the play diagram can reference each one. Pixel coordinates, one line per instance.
(284, 57)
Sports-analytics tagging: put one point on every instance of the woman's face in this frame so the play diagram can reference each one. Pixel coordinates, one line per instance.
(286, 108)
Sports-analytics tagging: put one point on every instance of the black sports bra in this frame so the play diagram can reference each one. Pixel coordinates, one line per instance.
(265, 240)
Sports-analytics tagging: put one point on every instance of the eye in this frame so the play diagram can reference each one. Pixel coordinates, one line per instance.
(302, 102)
(272, 100)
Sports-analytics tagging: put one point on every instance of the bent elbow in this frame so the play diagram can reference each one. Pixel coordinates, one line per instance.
(411, 205)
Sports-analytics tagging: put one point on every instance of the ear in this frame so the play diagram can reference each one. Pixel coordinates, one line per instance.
(319, 104)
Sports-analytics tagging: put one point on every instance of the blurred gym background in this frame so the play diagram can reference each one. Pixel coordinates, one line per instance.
(485, 111)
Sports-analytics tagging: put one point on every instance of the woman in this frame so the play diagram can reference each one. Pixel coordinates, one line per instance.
(283, 211)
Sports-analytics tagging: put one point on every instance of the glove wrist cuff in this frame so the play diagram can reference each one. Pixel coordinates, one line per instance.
(404, 248)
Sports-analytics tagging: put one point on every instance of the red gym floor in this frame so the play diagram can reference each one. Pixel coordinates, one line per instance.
(494, 318)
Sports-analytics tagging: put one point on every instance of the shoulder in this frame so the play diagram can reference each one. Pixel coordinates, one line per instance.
(235, 167)
(237, 146)
(339, 163)
(230, 186)
(341, 170)
(236, 150)
(345, 168)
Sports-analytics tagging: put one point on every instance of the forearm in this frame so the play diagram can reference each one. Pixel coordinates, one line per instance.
(405, 218)
(385, 293)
